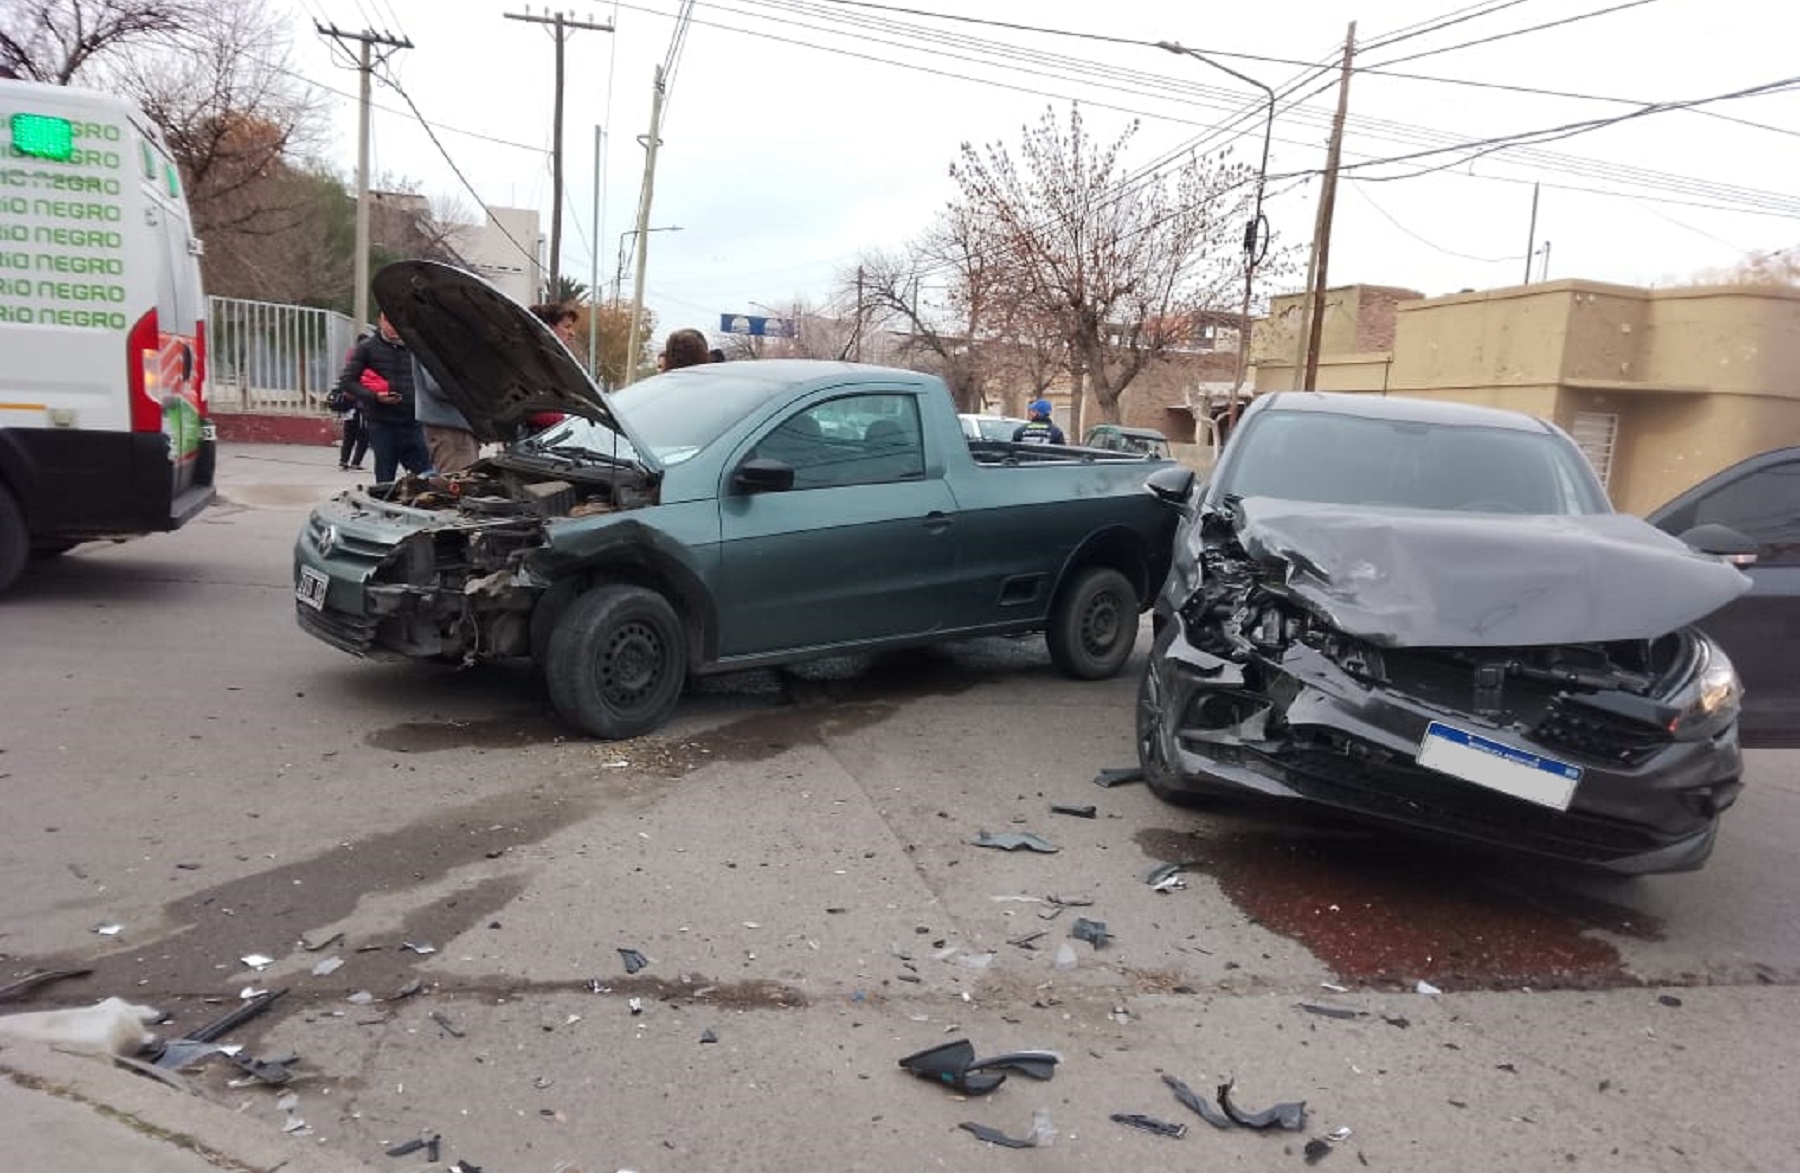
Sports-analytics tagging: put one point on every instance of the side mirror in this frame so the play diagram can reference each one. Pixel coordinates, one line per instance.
(1171, 486)
(761, 475)
(1722, 540)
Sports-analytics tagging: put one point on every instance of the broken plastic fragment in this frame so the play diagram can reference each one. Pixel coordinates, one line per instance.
(995, 1136)
(1036, 1064)
(1065, 956)
(327, 967)
(110, 930)
(1331, 1011)
(1118, 777)
(634, 960)
(1204, 1109)
(1338, 1135)
(443, 1020)
(1425, 987)
(1291, 1116)
(1151, 1124)
(274, 1074)
(1317, 1150)
(1092, 931)
(249, 992)
(1013, 840)
(707, 1036)
(418, 947)
(179, 1053)
(257, 960)
(406, 1147)
(948, 1064)
(636, 1005)
(362, 998)
(1088, 811)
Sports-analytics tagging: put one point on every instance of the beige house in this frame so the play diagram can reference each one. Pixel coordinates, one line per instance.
(1660, 387)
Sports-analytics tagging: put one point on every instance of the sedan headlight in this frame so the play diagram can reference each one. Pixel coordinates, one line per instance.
(1709, 700)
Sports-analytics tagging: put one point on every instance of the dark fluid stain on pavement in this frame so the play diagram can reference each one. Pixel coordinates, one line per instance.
(512, 731)
(1387, 910)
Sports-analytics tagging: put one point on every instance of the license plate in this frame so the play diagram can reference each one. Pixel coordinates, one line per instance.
(311, 588)
(1486, 762)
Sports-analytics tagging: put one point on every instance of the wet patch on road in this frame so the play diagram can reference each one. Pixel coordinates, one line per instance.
(1384, 910)
(512, 731)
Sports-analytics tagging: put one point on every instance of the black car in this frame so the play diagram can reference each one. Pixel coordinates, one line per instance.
(1759, 498)
(1427, 614)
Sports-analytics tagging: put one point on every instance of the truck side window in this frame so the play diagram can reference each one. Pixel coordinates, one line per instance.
(856, 440)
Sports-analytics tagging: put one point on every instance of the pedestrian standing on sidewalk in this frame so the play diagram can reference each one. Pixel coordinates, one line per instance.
(355, 443)
(448, 437)
(379, 376)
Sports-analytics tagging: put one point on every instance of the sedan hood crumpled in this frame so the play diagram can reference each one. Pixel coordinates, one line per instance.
(494, 359)
(1421, 578)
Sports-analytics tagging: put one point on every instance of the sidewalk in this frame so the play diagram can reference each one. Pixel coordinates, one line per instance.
(65, 1111)
(276, 475)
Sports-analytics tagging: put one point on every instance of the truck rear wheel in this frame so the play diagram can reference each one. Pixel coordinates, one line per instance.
(1093, 624)
(15, 543)
(616, 661)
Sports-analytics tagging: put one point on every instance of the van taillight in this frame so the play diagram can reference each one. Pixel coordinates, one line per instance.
(199, 382)
(143, 366)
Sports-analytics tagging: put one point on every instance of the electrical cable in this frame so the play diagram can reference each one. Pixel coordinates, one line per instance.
(1356, 186)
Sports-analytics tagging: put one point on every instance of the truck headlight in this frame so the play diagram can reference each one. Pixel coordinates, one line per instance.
(1709, 700)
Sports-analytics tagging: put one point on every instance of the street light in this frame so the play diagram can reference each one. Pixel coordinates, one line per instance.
(619, 270)
(1255, 242)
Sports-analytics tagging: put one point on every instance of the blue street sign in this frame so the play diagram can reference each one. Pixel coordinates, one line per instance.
(757, 327)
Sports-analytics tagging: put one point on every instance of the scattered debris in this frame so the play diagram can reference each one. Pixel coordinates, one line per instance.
(408, 1147)
(1338, 1135)
(1042, 1134)
(327, 967)
(1036, 1064)
(257, 961)
(634, 960)
(707, 1036)
(1027, 941)
(327, 943)
(361, 998)
(1089, 811)
(418, 947)
(636, 1005)
(110, 930)
(1151, 1124)
(465, 1167)
(1669, 1000)
(272, 1073)
(443, 1021)
(1013, 840)
(1119, 777)
(1334, 987)
(1425, 987)
(1065, 956)
(950, 1064)
(112, 1026)
(1331, 1011)
(1397, 1021)
(1204, 1109)
(14, 990)
(249, 992)
(412, 987)
(179, 1053)
(1317, 1150)
(1092, 931)
(1291, 1116)
(230, 1021)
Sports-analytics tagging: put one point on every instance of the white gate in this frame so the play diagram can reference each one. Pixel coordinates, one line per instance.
(266, 357)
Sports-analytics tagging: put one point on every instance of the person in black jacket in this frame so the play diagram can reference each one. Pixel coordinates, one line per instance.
(1041, 429)
(379, 376)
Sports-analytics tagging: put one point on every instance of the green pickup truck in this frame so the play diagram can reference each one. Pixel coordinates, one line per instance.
(719, 517)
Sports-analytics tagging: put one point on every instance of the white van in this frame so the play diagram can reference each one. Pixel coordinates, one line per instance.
(104, 429)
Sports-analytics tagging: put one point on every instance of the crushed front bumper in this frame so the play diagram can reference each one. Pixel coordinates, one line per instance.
(1305, 729)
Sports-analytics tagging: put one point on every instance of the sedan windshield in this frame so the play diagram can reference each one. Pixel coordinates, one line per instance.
(1353, 460)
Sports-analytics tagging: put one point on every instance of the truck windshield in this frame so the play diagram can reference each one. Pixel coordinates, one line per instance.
(1353, 460)
(678, 414)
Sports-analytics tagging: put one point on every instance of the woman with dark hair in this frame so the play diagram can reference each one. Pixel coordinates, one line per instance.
(561, 320)
(684, 348)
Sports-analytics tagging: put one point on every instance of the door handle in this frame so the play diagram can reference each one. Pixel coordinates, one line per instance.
(937, 522)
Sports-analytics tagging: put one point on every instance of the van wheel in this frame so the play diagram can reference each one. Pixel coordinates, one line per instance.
(1093, 624)
(616, 661)
(15, 543)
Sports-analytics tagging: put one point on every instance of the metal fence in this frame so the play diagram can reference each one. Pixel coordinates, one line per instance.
(265, 357)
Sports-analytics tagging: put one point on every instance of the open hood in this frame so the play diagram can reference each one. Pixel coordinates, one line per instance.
(1421, 578)
(494, 359)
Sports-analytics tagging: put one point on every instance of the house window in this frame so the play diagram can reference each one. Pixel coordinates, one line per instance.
(1595, 433)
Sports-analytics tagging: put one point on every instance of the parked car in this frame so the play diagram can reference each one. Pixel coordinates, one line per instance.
(1759, 498)
(990, 427)
(712, 518)
(1118, 438)
(1428, 615)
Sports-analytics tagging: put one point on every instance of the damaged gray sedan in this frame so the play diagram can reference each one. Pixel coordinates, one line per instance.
(1427, 615)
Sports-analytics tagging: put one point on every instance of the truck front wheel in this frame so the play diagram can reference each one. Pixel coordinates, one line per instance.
(1093, 624)
(15, 543)
(616, 661)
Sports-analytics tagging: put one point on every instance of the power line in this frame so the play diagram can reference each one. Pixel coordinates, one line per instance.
(1424, 27)
(1389, 217)
(1516, 32)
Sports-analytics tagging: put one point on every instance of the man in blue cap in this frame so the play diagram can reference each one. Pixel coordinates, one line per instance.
(1040, 430)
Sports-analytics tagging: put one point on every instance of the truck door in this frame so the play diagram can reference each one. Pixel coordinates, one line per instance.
(863, 547)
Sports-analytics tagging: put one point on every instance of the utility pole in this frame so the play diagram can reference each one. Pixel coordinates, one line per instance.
(563, 26)
(1531, 235)
(859, 313)
(365, 67)
(1327, 199)
(634, 336)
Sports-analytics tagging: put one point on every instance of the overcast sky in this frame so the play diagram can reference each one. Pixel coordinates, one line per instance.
(798, 133)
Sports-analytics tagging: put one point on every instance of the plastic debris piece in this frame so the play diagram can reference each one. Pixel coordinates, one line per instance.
(633, 960)
(1028, 941)
(1088, 811)
(273, 1074)
(1119, 777)
(1065, 956)
(1013, 840)
(708, 1036)
(1291, 1116)
(1331, 1011)
(327, 943)
(1425, 987)
(1205, 1109)
(1397, 1021)
(1166, 1128)
(1163, 876)
(408, 990)
(948, 1064)
(465, 1167)
(249, 992)
(1092, 931)
(1317, 1150)
(1669, 1000)
(287, 1103)
(431, 1149)
(328, 966)
(995, 1136)
(179, 1053)
(14, 990)
(362, 998)
(636, 1005)
(1334, 987)
(406, 1147)
(418, 947)
(257, 960)
(110, 930)
(230, 1021)
(1036, 1064)
(1338, 1135)
(443, 1020)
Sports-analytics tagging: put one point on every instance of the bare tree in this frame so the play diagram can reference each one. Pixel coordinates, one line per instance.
(1119, 264)
(55, 40)
(1778, 268)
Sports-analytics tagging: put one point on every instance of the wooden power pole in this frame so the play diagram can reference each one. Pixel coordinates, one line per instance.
(365, 67)
(562, 26)
(634, 335)
(1327, 202)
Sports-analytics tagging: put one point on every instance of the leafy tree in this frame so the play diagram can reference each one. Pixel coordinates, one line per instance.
(568, 291)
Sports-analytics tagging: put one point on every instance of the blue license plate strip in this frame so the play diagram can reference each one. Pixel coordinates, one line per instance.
(1497, 766)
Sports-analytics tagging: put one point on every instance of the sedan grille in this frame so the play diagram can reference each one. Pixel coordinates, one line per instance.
(1593, 733)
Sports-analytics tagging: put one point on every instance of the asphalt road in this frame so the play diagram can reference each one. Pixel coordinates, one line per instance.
(793, 859)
